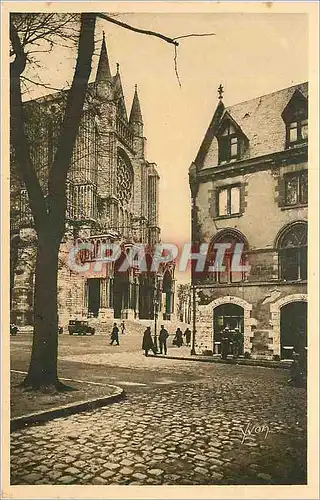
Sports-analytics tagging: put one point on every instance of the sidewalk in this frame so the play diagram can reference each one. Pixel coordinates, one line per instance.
(183, 353)
(29, 407)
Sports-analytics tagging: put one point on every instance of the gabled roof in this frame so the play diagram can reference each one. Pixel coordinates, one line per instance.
(208, 138)
(227, 117)
(297, 102)
(260, 119)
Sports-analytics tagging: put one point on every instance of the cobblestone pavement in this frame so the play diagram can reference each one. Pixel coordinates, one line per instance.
(242, 425)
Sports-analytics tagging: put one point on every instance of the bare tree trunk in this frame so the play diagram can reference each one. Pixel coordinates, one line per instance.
(43, 365)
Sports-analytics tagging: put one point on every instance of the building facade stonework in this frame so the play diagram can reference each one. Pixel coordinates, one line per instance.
(112, 197)
(249, 186)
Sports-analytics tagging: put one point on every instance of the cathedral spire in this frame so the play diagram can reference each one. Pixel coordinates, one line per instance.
(103, 71)
(135, 114)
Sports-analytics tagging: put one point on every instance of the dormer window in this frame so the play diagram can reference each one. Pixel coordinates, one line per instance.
(228, 144)
(295, 117)
(297, 132)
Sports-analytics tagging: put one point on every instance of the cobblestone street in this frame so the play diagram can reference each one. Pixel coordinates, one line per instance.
(232, 425)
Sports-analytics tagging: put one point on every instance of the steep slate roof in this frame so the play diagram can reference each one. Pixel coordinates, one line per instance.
(260, 120)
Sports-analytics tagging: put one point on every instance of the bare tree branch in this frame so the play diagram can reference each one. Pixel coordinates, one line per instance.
(192, 35)
(137, 30)
(44, 85)
(176, 65)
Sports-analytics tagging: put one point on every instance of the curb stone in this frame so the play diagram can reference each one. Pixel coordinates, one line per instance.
(68, 409)
(248, 362)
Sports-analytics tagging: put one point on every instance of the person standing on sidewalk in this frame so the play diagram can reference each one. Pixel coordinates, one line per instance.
(115, 334)
(147, 342)
(163, 335)
(225, 343)
(178, 338)
(123, 328)
(187, 335)
(237, 343)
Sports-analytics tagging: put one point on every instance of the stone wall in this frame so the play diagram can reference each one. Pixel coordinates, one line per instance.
(261, 305)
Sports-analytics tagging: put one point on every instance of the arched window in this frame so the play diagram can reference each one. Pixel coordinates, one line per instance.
(292, 252)
(124, 179)
(227, 255)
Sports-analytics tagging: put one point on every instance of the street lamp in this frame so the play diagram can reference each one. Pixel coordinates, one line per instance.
(194, 302)
(156, 304)
(155, 309)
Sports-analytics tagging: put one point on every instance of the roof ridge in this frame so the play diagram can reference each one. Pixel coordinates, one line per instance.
(268, 94)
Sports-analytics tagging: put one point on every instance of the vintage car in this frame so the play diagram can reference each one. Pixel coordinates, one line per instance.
(77, 327)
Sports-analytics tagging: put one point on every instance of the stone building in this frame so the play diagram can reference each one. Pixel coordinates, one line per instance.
(113, 196)
(249, 188)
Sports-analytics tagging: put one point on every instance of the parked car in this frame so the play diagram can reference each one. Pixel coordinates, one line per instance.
(77, 327)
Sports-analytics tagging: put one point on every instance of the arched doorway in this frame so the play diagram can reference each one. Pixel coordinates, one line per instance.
(226, 315)
(293, 328)
(167, 295)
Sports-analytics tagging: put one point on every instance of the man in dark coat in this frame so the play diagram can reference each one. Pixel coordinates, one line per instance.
(115, 334)
(163, 335)
(187, 335)
(178, 338)
(147, 342)
(237, 342)
(225, 343)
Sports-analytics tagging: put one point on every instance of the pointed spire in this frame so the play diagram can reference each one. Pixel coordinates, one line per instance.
(103, 71)
(118, 94)
(135, 114)
(117, 81)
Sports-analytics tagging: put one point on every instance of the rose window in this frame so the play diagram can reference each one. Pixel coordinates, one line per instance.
(124, 180)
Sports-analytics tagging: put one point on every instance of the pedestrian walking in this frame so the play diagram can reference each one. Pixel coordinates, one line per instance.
(123, 328)
(115, 334)
(178, 338)
(225, 343)
(187, 335)
(163, 335)
(147, 342)
(237, 342)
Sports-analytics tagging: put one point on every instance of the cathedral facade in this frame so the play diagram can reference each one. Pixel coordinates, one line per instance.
(112, 197)
(249, 185)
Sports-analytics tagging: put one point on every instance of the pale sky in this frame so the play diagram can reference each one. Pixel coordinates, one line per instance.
(250, 54)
